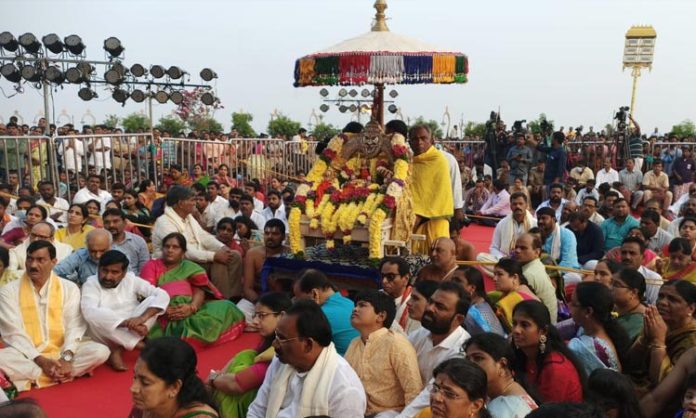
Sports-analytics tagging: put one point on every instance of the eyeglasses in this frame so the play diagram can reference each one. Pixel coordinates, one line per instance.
(284, 340)
(390, 277)
(263, 315)
(434, 388)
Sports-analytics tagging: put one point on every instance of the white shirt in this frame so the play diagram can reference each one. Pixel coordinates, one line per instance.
(604, 176)
(201, 245)
(219, 204)
(258, 219)
(674, 226)
(12, 324)
(676, 206)
(500, 245)
(100, 159)
(18, 254)
(498, 204)
(346, 396)
(455, 180)
(596, 218)
(226, 212)
(84, 194)
(59, 204)
(559, 210)
(279, 214)
(653, 283)
(430, 356)
(258, 205)
(105, 309)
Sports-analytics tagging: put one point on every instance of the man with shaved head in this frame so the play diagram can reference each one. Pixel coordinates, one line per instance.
(443, 259)
(84, 262)
(527, 252)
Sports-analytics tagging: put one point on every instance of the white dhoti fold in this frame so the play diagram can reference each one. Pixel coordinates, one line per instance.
(106, 309)
(23, 371)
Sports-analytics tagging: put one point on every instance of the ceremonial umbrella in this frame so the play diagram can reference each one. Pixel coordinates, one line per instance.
(381, 57)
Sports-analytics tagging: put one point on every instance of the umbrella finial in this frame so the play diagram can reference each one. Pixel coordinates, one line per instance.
(380, 24)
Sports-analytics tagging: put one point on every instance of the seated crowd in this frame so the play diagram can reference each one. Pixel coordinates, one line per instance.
(585, 305)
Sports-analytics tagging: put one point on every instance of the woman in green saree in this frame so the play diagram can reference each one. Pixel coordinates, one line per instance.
(197, 312)
(235, 387)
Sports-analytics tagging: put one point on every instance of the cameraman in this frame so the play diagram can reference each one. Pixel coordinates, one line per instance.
(635, 145)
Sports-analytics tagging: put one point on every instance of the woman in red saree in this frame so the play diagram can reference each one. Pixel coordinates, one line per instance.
(197, 312)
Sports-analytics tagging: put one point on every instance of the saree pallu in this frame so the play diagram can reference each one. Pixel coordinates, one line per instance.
(688, 274)
(504, 305)
(678, 341)
(216, 321)
(245, 362)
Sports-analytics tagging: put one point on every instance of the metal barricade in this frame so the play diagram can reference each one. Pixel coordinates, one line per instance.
(246, 159)
(466, 151)
(26, 160)
(119, 158)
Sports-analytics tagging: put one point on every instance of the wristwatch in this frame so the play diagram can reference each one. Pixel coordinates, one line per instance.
(67, 356)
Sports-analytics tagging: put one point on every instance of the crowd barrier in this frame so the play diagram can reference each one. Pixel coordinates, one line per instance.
(132, 158)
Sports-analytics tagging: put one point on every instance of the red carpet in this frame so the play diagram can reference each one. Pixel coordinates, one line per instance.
(106, 394)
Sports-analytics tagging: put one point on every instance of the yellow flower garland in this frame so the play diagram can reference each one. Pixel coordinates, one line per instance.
(295, 234)
(309, 208)
(375, 233)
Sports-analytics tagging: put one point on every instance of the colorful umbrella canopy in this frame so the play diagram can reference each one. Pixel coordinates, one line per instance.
(381, 57)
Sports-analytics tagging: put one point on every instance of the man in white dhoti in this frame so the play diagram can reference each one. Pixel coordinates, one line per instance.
(308, 377)
(508, 230)
(119, 307)
(42, 328)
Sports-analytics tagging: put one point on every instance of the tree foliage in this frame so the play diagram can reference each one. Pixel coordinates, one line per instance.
(282, 126)
(472, 129)
(435, 129)
(323, 131)
(203, 124)
(111, 121)
(171, 124)
(685, 129)
(136, 122)
(241, 122)
(534, 126)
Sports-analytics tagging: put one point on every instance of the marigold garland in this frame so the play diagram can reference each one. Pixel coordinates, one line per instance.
(333, 209)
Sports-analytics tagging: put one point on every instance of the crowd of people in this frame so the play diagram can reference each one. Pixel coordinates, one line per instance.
(592, 311)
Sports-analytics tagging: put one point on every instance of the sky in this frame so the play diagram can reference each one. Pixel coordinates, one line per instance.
(562, 58)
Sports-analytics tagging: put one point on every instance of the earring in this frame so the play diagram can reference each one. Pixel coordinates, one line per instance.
(542, 344)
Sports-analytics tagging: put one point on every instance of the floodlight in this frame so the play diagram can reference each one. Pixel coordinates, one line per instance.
(137, 70)
(393, 94)
(86, 94)
(8, 42)
(175, 73)
(342, 108)
(365, 93)
(353, 108)
(120, 96)
(113, 46)
(74, 75)
(138, 96)
(176, 97)
(323, 92)
(353, 93)
(30, 43)
(324, 108)
(10, 72)
(30, 73)
(161, 96)
(208, 99)
(74, 44)
(85, 68)
(207, 74)
(53, 43)
(113, 76)
(53, 74)
(157, 71)
(392, 108)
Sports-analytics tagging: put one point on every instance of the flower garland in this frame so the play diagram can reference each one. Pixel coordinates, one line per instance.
(359, 201)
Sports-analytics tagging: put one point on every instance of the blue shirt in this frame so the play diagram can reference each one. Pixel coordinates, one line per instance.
(135, 248)
(614, 233)
(569, 249)
(338, 310)
(77, 267)
(556, 160)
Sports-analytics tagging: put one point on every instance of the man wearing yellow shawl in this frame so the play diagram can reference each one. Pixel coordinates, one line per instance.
(430, 182)
(42, 327)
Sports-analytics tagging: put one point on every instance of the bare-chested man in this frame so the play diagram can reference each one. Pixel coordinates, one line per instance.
(273, 237)
(443, 260)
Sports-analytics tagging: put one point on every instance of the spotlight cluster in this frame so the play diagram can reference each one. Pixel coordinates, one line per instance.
(55, 61)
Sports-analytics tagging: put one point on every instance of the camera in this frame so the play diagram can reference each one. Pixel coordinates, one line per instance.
(621, 117)
(517, 127)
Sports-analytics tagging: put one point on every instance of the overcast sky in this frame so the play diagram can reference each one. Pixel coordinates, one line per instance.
(558, 57)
